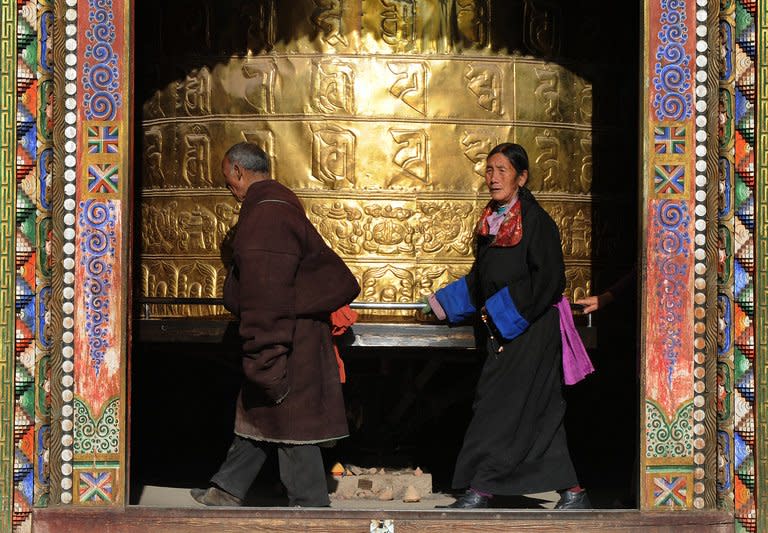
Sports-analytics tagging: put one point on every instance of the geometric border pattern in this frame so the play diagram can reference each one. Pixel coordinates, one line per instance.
(90, 37)
(744, 266)
(68, 253)
(72, 22)
(670, 488)
(96, 485)
(761, 377)
(7, 252)
(43, 263)
(725, 278)
(701, 297)
(667, 439)
(676, 138)
(672, 75)
(26, 251)
(669, 180)
(94, 243)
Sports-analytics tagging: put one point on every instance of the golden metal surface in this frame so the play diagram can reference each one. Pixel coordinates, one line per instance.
(378, 114)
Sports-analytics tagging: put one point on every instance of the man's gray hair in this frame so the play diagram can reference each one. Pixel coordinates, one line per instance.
(249, 156)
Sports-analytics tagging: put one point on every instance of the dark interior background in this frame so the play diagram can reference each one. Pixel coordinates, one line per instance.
(182, 394)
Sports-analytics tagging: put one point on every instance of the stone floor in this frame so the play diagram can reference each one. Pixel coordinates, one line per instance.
(155, 496)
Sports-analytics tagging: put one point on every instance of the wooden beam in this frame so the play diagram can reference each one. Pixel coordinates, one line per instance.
(160, 520)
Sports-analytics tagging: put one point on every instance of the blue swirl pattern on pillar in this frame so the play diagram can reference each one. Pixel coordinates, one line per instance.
(97, 245)
(101, 83)
(673, 100)
(674, 245)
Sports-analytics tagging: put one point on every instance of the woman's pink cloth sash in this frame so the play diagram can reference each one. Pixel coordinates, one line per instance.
(576, 362)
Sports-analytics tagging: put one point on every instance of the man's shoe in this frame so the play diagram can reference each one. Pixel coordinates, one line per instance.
(573, 500)
(471, 500)
(214, 496)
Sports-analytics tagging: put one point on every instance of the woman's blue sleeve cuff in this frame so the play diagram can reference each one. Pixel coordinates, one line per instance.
(505, 315)
(455, 300)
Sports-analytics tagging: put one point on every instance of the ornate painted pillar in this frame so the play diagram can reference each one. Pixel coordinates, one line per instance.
(725, 297)
(745, 13)
(761, 282)
(92, 221)
(679, 217)
(725, 271)
(7, 255)
(25, 260)
(44, 259)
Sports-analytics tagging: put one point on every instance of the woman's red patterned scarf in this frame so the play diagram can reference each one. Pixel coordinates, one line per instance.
(511, 230)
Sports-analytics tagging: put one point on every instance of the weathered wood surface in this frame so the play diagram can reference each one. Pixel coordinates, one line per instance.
(159, 520)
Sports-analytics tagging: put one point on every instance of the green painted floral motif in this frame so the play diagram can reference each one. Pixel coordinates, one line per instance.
(668, 439)
(97, 436)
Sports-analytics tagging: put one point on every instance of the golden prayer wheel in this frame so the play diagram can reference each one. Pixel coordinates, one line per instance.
(379, 115)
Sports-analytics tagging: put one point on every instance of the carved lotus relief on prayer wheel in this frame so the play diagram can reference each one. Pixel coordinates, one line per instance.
(379, 115)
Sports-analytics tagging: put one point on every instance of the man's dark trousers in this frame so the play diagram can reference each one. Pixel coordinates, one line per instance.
(301, 470)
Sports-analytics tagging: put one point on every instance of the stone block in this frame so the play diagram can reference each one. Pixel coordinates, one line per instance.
(373, 485)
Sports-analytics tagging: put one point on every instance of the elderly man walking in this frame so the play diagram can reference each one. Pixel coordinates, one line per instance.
(283, 285)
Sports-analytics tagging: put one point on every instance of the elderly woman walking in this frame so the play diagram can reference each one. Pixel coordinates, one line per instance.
(515, 443)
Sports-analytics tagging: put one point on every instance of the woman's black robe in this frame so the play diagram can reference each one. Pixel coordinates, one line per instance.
(515, 442)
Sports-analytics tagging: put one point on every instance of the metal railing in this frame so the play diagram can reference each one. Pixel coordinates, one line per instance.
(145, 302)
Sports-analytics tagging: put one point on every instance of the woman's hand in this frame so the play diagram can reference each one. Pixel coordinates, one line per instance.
(431, 308)
(426, 309)
(593, 303)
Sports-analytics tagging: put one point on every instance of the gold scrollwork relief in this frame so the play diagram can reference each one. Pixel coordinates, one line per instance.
(578, 282)
(387, 230)
(159, 228)
(182, 279)
(177, 227)
(427, 243)
(196, 167)
(434, 24)
(445, 228)
(328, 18)
(575, 229)
(387, 283)
(472, 18)
(411, 156)
(333, 86)
(333, 156)
(431, 229)
(486, 82)
(430, 278)
(584, 102)
(392, 166)
(260, 84)
(193, 95)
(583, 167)
(341, 225)
(547, 164)
(411, 83)
(398, 23)
(542, 28)
(153, 107)
(153, 157)
(548, 91)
